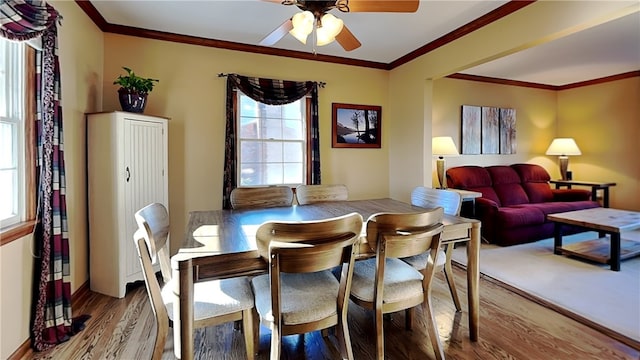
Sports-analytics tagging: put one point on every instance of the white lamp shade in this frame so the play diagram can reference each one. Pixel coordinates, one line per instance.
(563, 147)
(443, 146)
(331, 26)
(302, 25)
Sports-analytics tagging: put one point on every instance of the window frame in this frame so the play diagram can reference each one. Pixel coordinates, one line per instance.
(307, 172)
(26, 226)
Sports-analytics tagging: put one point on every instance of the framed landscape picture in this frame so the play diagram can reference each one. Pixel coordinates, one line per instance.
(355, 126)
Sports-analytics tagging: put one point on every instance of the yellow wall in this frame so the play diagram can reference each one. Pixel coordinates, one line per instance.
(535, 120)
(604, 120)
(417, 103)
(80, 45)
(193, 96)
(411, 88)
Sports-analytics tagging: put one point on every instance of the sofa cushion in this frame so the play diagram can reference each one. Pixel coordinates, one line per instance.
(473, 178)
(506, 184)
(519, 215)
(561, 206)
(535, 182)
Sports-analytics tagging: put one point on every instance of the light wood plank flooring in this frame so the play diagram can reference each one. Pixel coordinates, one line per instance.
(511, 327)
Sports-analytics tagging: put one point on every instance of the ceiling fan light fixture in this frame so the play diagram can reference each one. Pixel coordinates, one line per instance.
(328, 27)
(302, 25)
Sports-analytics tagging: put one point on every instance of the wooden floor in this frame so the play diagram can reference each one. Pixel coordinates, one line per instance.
(511, 327)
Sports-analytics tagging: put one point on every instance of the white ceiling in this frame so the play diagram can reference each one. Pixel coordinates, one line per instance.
(608, 49)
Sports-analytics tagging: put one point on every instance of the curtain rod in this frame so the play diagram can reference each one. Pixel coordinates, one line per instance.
(320, 83)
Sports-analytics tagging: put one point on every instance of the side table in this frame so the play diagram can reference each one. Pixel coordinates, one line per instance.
(595, 186)
(468, 196)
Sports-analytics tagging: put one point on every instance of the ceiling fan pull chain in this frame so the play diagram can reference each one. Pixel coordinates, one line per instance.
(315, 37)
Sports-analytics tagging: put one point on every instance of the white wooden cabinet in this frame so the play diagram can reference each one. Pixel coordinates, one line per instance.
(127, 162)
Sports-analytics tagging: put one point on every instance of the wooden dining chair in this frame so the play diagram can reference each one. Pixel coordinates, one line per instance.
(301, 294)
(216, 301)
(386, 284)
(309, 194)
(261, 197)
(451, 202)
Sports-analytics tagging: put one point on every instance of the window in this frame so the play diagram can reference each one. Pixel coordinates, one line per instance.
(272, 142)
(17, 204)
(11, 133)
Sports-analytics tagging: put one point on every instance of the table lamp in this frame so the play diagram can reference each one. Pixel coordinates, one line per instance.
(563, 147)
(442, 146)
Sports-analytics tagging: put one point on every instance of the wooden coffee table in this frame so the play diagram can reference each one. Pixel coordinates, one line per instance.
(606, 221)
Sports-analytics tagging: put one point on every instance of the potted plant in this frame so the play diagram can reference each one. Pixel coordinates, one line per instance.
(133, 91)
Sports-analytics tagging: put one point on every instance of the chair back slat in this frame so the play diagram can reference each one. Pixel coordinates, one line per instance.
(153, 226)
(261, 197)
(406, 234)
(430, 198)
(305, 257)
(309, 232)
(309, 194)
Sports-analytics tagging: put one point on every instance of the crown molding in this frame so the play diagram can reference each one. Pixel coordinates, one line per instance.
(502, 11)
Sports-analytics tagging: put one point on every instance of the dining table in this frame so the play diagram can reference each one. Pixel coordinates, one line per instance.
(220, 244)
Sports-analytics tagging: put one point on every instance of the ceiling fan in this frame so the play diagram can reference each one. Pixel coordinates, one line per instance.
(327, 27)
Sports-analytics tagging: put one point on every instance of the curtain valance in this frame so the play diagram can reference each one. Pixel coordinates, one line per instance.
(26, 19)
(271, 91)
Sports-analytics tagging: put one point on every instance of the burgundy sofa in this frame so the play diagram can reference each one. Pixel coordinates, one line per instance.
(516, 200)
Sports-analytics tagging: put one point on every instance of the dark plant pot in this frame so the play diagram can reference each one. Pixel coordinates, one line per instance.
(132, 101)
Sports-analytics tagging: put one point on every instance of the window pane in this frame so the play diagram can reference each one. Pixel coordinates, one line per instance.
(272, 129)
(8, 194)
(292, 152)
(293, 130)
(273, 152)
(293, 173)
(274, 174)
(250, 174)
(248, 106)
(7, 146)
(251, 151)
(292, 110)
(4, 98)
(248, 128)
(271, 111)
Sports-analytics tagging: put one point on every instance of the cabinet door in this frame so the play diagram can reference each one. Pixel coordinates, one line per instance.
(145, 155)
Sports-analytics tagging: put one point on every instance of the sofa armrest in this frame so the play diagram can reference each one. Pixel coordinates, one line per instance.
(486, 203)
(485, 208)
(571, 194)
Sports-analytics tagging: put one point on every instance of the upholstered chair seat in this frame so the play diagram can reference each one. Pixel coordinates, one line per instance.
(305, 297)
(213, 299)
(401, 280)
(420, 261)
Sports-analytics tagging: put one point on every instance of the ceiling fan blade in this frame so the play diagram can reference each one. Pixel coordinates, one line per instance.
(347, 40)
(277, 34)
(381, 5)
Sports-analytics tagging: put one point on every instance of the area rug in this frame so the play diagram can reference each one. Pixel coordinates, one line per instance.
(596, 295)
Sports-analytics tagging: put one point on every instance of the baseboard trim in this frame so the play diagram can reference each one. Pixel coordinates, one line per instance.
(81, 293)
(21, 351)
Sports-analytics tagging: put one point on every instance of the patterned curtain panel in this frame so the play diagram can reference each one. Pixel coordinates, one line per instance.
(51, 321)
(271, 92)
(26, 19)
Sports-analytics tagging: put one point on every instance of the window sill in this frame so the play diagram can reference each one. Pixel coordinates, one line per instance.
(15, 232)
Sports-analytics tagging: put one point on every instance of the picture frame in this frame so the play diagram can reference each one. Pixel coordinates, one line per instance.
(488, 130)
(356, 126)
